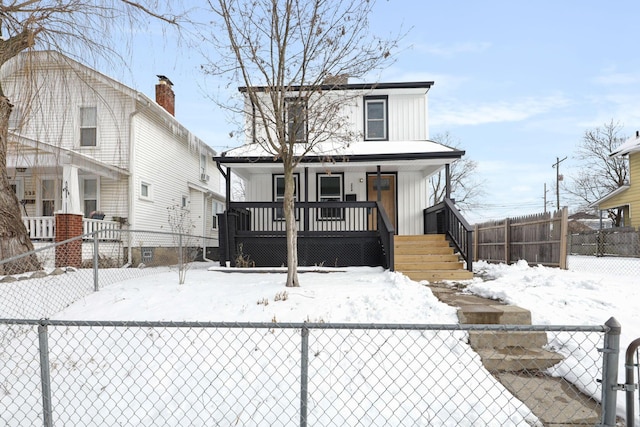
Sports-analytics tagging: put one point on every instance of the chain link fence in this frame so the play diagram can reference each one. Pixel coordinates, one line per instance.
(69, 270)
(613, 251)
(215, 374)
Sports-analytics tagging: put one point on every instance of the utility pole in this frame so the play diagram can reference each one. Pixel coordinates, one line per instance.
(545, 197)
(558, 179)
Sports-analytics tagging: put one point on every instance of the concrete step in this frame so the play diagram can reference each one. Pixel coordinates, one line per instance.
(498, 339)
(438, 275)
(516, 359)
(494, 315)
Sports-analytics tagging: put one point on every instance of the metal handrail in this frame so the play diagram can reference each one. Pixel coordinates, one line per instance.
(630, 384)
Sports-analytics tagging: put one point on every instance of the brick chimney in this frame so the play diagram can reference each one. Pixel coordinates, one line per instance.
(165, 96)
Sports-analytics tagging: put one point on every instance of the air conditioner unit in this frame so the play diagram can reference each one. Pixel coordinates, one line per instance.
(204, 177)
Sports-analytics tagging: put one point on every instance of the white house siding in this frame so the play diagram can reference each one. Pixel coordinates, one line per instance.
(114, 198)
(54, 117)
(413, 192)
(164, 160)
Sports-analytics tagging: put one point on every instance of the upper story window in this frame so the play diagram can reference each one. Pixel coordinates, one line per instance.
(88, 126)
(145, 191)
(296, 118)
(375, 118)
(15, 119)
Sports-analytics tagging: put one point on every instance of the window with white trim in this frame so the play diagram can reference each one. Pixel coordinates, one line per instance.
(48, 197)
(145, 190)
(17, 185)
(88, 126)
(278, 194)
(15, 119)
(89, 196)
(375, 119)
(217, 208)
(330, 189)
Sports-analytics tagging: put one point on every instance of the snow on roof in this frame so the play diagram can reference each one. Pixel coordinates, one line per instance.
(630, 145)
(353, 149)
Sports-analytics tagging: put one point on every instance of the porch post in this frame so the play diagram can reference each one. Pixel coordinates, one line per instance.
(70, 190)
(379, 183)
(305, 211)
(447, 172)
(228, 188)
(69, 226)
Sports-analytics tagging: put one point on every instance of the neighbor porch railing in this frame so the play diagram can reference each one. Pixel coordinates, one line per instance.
(43, 228)
(445, 218)
(257, 227)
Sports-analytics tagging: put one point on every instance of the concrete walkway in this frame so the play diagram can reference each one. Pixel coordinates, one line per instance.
(518, 360)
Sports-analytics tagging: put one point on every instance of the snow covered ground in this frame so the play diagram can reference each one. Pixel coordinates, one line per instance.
(351, 295)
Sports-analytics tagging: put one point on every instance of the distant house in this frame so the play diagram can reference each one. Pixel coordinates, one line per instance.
(354, 204)
(83, 143)
(627, 197)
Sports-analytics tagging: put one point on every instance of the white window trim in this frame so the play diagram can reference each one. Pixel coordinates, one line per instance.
(89, 177)
(81, 126)
(19, 183)
(149, 196)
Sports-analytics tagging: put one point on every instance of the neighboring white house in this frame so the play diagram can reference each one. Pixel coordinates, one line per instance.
(388, 159)
(81, 142)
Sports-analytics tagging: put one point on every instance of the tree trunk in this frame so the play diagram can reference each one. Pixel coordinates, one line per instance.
(14, 238)
(291, 225)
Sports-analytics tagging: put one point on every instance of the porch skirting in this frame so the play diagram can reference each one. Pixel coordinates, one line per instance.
(335, 251)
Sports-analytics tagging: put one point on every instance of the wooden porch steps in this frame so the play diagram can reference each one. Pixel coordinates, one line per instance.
(428, 257)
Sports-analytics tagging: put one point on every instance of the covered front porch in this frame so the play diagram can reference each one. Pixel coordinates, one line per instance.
(348, 209)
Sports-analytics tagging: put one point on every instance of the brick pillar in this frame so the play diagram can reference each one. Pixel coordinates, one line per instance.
(67, 227)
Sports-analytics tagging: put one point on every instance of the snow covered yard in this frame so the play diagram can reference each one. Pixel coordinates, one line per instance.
(140, 375)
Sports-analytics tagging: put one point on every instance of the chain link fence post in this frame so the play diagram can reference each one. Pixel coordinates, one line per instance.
(304, 375)
(610, 355)
(96, 259)
(45, 375)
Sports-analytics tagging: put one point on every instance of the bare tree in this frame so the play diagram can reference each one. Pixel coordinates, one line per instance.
(79, 28)
(598, 173)
(287, 53)
(465, 189)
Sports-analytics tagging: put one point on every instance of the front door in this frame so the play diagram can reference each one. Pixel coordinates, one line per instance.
(387, 186)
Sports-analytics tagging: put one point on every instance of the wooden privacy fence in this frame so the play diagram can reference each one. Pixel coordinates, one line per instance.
(538, 239)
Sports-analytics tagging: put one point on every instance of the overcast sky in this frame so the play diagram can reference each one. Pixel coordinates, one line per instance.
(516, 83)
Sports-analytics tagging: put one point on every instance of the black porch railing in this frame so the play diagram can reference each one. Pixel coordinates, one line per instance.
(445, 218)
(336, 234)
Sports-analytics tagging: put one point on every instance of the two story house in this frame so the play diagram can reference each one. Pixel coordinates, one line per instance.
(83, 143)
(627, 197)
(364, 202)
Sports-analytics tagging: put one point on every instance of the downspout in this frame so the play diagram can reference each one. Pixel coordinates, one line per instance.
(131, 186)
(205, 198)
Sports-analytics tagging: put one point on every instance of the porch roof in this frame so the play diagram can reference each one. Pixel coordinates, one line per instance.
(425, 155)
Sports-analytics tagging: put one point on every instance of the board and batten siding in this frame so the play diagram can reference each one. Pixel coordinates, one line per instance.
(412, 194)
(412, 199)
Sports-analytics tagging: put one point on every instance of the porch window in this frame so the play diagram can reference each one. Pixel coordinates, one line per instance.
(278, 195)
(88, 126)
(296, 118)
(375, 119)
(48, 199)
(89, 196)
(330, 189)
